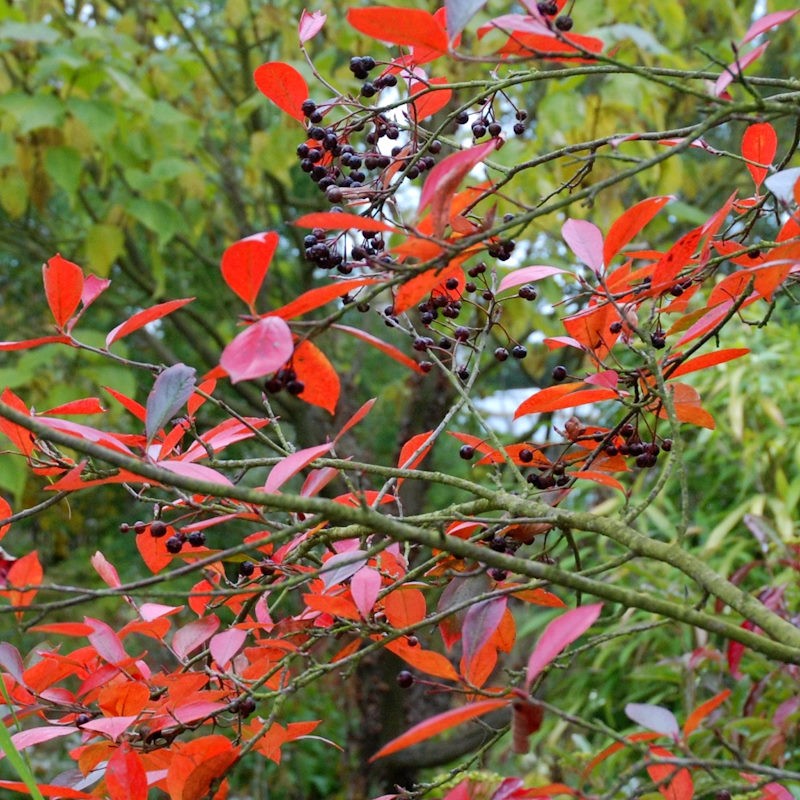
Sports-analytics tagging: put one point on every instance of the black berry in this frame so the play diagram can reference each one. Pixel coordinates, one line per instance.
(197, 538)
(466, 452)
(564, 22)
(174, 544)
(404, 679)
(158, 528)
(518, 351)
(501, 354)
(246, 569)
(559, 373)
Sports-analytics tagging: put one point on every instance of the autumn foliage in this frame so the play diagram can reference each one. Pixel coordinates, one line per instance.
(297, 560)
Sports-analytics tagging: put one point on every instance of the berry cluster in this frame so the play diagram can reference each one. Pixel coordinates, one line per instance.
(486, 122)
(158, 529)
(284, 378)
(549, 8)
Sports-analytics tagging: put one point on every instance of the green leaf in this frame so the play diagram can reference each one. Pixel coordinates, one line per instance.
(64, 165)
(99, 116)
(28, 32)
(103, 245)
(33, 111)
(14, 194)
(8, 154)
(161, 218)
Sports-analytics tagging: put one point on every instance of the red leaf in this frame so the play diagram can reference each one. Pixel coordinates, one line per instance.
(5, 513)
(628, 225)
(434, 725)
(25, 571)
(220, 436)
(766, 22)
(706, 323)
(245, 264)
(586, 241)
(675, 783)
(562, 396)
(734, 69)
(428, 104)
(292, 464)
(415, 450)
(557, 635)
(676, 258)
(320, 379)
(126, 778)
(137, 409)
(708, 360)
(341, 221)
(65, 628)
(598, 477)
(702, 711)
(405, 26)
(379, 344)
(314, 298)
(196, 764)
(356, 418)
(527, 275)
(759, 144)
(27, 344)
(445, 177)
(47, 790)
(310, 25)
(63, 286)
(142, 318)
(20, 436)
(87, 405)
(262, 348)
(284, 85)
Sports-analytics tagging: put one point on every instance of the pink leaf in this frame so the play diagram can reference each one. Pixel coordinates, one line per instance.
(224, 646)
(194, 635)
(364, 588)
(197, 471)
(527, 275)
(342, 566)
(557, 635)
(259, 350)
(444, 179)
(734, 69)
(245, 264)
(220, 436)
(25, 739)
(150, 611)
(142, 318)
(586, 241)
(480, 622)
(310, 25)
(113, 727)
(93, 287)
(105, 641)
(86, 432)
(11, 662)
(198, 710)
(106, 570)
(292, 464)
(766, 22)
(655, 718)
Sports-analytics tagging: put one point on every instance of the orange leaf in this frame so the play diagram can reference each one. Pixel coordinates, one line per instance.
(63, 286)
(426, 661)
(708, 360)
(405, 606)
(702, 711)
(562, 396)
(646, 736)
(25, 571)
(434, 725)
(284, 85)
(314, 298)
(126, 699)
(628, 225)
(405, 26)
(430, 103)
(413, 290)
(196, 764)
(341, 221)
(318, 375)
(379, 344)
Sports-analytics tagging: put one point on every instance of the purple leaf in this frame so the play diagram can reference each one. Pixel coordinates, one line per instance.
(342, 566)
(224, 646)
(459, 13)
(11, 662)
(557, 635)
(172, 388)
(259, 350)
(654, 718)
(292, 464)
(364, 588)
(586, 241)
(194, 635)
(766, 22)
(527, 275)
(480, 623)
